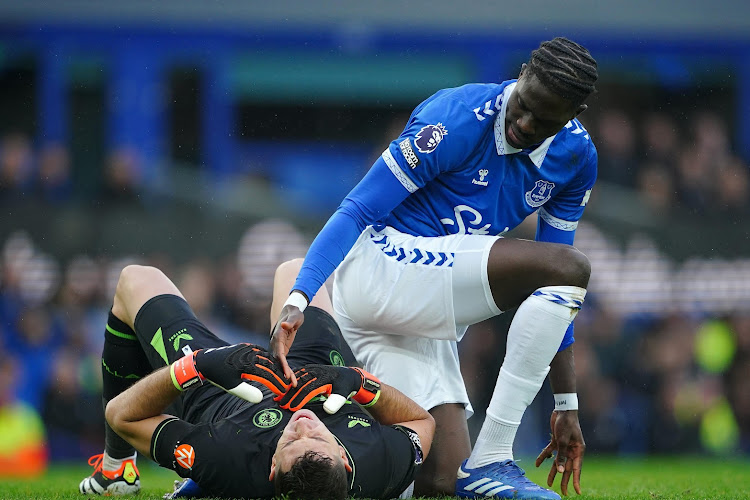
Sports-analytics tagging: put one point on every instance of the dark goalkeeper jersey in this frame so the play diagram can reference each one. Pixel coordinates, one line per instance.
(231, 455)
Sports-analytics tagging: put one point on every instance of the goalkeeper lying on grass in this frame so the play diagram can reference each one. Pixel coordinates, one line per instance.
(224, 415)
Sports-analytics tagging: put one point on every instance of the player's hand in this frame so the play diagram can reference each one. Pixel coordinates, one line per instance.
(282, 337)
(567, 441)
(338, 383)
(232, 368)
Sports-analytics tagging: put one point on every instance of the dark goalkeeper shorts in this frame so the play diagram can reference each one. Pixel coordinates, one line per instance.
(167, 330)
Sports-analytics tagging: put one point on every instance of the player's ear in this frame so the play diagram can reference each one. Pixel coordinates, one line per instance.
(345, 459)
(523, 70)
(272, 474)
(581, 109)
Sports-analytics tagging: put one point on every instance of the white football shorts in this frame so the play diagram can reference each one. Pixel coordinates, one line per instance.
(403, 302)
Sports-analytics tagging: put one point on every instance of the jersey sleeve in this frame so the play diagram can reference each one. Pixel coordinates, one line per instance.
(169, 436)
(424, 150)
(558, 218)
(213, 456)
(441, 134)
(405, 451)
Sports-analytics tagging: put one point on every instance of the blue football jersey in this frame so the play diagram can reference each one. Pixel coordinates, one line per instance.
(452, 171)
(465, 178)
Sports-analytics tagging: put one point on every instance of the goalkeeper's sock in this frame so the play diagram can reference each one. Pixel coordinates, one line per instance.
(534, 336)
(123, 363)
(114, 464)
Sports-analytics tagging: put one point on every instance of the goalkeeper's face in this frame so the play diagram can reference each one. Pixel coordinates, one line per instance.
(305, 432)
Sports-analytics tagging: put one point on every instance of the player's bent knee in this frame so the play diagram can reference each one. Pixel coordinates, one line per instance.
(290, 266)
(133, 276)
(574, 267)
(138, 284)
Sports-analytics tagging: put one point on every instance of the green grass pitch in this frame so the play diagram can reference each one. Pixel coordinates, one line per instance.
(605, 478)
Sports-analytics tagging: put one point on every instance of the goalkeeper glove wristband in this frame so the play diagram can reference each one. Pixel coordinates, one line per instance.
(369, 391)
(184, 373)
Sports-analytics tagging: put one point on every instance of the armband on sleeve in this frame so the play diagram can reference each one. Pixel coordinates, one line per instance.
(415, 442)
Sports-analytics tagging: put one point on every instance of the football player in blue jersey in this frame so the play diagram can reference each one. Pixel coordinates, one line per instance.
(419, 256)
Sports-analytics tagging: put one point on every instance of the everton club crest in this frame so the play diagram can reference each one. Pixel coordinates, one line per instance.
(428, 138)
(540, 194)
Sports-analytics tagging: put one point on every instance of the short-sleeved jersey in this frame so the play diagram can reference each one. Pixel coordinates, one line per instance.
(231, 455)
(465, 178)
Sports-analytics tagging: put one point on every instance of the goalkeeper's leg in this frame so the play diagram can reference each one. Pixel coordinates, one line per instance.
(123, 363)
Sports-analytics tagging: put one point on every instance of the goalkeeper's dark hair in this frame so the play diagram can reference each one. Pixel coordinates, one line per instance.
(313, 476)
(566, 68)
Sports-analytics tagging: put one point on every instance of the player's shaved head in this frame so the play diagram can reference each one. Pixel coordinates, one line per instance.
(566, 68)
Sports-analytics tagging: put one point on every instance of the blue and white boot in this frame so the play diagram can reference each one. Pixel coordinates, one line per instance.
(186, 488)
(499, 480)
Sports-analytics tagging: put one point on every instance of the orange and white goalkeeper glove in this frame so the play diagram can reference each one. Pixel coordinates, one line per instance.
(231, 368)
(337, 383)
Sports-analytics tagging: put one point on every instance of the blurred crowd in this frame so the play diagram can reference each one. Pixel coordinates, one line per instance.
(684, 167)
(662, 352)
(46, 174)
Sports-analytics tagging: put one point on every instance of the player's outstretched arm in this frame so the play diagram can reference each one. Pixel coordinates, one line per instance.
(567, 439)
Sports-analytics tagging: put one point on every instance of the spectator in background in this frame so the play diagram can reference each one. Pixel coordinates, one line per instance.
(122, 177)
(694, 181)
(198, 283)
(616, 146)
(710, 137)
(16, 167)
(656, 187)
(733, 189)
(262, 248)
(54, 176)
(72, 408)
(660, 138)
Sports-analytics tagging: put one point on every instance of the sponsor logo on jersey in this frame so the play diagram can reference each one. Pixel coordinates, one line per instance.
(482, 174)
(355, 421)
(540, 194)
(469, 226)
(336, 358)
(408, 152)
(185, 455)
(267, 418)
(180, 335)
(429, 137)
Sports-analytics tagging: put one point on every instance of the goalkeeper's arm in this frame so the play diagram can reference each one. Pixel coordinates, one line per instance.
(339, 383)
(395, 408)
(135, 413)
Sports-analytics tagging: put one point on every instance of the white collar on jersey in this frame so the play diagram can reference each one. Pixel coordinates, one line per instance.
(503, 147)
